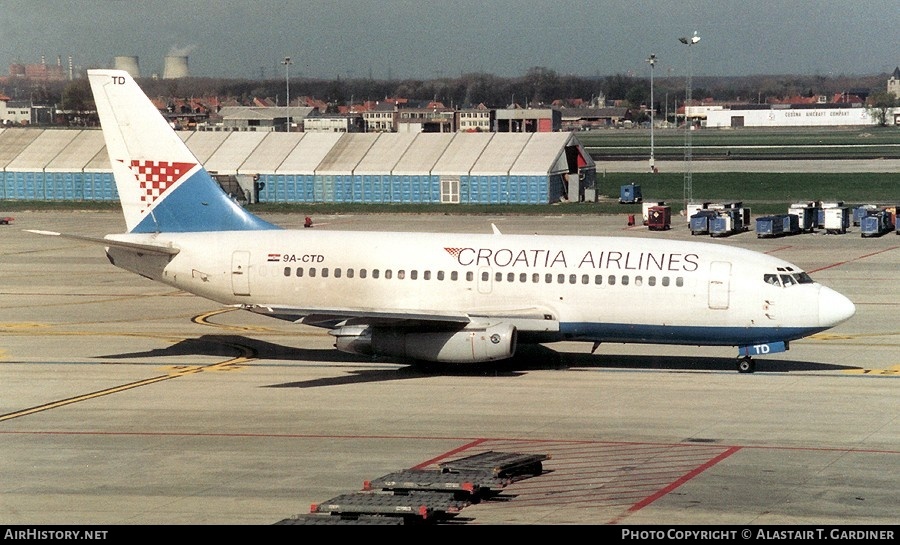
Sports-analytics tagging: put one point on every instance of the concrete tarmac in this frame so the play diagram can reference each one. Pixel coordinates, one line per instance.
(125, 402)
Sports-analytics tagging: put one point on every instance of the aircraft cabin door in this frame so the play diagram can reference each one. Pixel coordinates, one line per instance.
(240, 272)
(719, 284)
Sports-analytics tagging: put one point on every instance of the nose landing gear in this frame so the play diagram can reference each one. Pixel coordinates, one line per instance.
(746, 365)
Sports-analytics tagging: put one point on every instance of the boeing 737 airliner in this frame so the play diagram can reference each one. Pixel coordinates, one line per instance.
(440, 297)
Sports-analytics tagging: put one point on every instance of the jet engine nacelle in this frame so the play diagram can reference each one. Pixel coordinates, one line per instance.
(469, 345)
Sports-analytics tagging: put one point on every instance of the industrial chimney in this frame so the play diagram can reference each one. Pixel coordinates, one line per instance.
(176, 66)
(128, 64)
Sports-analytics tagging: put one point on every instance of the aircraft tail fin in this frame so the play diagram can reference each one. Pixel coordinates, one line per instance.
(161, 184)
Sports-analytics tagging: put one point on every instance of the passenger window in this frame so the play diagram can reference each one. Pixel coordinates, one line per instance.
(324, 272)
(469, 276)
(510, 277)
(362, 273)
(585, 279)
(548, 278)
(651, 281)
(440, 275)
(573, 278)
(401, 274)
(337, 273)
(413, 275)
(611, 280)
(560, 279)
(299, 272)
(535, 278)
(498, 277)
(625, 280)
(485, 276)
(638, 281)
(679, 281)
(312, 272)
(598, 279)
(349, 273)
(375, 273)
(287, 271)
(426, 275)
(388, 274)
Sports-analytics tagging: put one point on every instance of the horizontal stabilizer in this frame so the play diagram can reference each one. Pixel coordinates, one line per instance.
(135, 246)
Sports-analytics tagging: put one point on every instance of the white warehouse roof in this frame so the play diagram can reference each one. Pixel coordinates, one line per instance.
(244, 152)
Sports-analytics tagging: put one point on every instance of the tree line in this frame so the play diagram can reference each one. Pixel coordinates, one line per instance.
(539, 86)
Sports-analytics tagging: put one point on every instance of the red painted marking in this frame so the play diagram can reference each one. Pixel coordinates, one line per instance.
(685, 478)
(448, 454)
(783, 248)
(839, 263)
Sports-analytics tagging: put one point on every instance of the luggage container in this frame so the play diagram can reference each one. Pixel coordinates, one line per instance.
(770, 226)
(862, 211)
(875, 224)
(630, 193)
(791, 224)
(692, 208)
(836, 219)
(659, 218)
(807, 216)
(892, 213)
(721, 225)
(700, 221)
(745, 218)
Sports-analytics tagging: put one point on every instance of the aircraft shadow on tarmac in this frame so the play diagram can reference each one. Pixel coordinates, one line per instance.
(527, 358)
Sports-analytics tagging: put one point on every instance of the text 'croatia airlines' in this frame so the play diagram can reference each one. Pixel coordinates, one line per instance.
(438, 297)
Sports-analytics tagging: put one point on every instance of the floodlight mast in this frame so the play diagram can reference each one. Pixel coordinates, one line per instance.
(688, 178)
(287, 62)
(652, 61)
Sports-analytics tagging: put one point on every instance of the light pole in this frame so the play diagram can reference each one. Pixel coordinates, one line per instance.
(652, 61)
(287, 62)
(688, 179)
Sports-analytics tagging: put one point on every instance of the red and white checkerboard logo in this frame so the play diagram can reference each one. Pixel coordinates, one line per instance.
(155, 177)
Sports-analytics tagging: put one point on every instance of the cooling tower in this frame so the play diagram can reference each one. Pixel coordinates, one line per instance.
(175, 67)
(128, 64)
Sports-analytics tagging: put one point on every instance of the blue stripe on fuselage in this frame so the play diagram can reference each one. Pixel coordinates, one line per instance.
(689, 335)
(199, 204)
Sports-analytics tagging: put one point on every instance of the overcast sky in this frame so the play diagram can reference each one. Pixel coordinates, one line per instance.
(433, 38)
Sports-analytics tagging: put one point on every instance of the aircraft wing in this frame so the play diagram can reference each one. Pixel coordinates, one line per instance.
(162, 249)
(526, 319)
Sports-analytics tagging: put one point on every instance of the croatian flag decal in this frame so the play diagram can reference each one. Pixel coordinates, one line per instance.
(155, 177)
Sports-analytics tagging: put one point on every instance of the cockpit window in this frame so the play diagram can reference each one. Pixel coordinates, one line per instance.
(787, 277)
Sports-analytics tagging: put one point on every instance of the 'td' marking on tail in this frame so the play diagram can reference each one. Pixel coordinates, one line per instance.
(155, 177)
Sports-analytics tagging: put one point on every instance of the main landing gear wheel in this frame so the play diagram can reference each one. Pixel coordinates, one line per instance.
(746, 365)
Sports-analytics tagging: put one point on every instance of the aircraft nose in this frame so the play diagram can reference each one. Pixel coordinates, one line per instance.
(834, 308)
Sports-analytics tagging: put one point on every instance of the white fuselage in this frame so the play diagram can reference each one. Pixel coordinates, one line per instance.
(595, 288)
